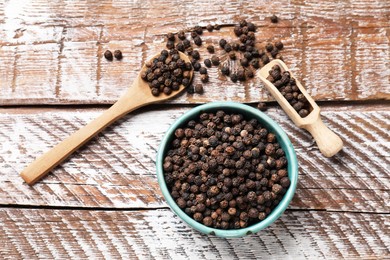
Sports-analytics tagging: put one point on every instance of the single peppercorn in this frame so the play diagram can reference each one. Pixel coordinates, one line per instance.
(232, 55)
(237, 30)
(207, 63)
(269, 47)
(118, 54)
(227, 47)
(233, 77)
(215, 60)
(225, 70)
(222, 43)
(198, 41)
(241, 75)
(279, 45)
(170, 45)
(244, 62)
(203, 70)
(210, 27)
(303, 113)
(108, 55)
(249, 73)
(262, 106)
(196, 66)
(204, 78)
(274, 19)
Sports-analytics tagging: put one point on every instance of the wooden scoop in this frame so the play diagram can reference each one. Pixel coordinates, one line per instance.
(328, 142)
(137, 95)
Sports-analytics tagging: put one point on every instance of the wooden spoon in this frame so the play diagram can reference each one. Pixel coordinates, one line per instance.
(328, 142)
(137, 95)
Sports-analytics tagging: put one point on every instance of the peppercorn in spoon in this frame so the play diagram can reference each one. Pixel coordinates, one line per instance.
(162, 78)
(299, 105)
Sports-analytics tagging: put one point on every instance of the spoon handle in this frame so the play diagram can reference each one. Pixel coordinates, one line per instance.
(46, 162)
(327, 141)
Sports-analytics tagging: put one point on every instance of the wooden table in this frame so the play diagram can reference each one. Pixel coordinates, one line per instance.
(104, 202)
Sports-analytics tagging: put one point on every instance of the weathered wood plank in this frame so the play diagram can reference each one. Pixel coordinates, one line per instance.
(117, 169)
(67, 42)
(159, 234)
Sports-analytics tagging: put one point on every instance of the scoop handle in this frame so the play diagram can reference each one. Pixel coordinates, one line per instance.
(327, 141)
(46, 162)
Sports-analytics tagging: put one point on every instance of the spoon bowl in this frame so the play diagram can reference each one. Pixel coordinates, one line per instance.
(138, 95)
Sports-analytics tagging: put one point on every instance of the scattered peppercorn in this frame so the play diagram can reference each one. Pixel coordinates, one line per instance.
(210, 49)
(108, 55)
(207, 63)
(198, 88)
(210, 27)
(279, 45)
(223, 188)
(262, 106)
(118, 54)
(274, 19)
(225, 70)
(203, 70)
(165, 73)
(215, 60)
(222, 43)
(287, 87)
(198, 40)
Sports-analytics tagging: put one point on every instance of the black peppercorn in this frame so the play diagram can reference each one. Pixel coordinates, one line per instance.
(181, 35)
(118, 54)
(279, 45)
(227, 47)
(249, 73)
(108, 55)
(241, 75)
(222, 43)
(198, 88)
(196, 66)
(244, 62)
(215, 60)
(204, 78)
(198, 40)
(210, 27)
(210, 49)
(237, 30)
(207, 63)
(303, 113)
(232, 55)
(243, 23)
(225, 70)
(198, 29)
(170, 45)
(203, 70)
(251, 27)
(255, 63)
(269, 47)
(233, 77)
(262, 106)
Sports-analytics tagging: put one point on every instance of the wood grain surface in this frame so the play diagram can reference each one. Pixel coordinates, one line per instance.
(51, 53)
(159, 234)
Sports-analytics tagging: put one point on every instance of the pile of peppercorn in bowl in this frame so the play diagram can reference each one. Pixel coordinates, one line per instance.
(227, 169)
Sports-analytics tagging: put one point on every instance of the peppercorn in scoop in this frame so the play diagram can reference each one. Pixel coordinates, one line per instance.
(166, 72)
(226, 171)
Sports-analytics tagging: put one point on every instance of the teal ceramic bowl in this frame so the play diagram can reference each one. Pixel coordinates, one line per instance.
(266, 122)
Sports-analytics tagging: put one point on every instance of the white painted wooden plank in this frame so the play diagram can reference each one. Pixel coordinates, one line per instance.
(117, 169)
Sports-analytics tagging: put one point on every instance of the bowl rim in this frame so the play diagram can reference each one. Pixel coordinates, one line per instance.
(266, 122)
